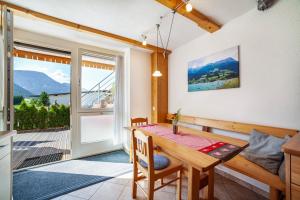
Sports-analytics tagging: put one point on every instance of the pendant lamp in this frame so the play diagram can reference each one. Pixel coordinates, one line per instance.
(157, 73)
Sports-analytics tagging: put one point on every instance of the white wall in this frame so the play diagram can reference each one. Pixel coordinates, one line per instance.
(269, 69)
(139, 87)
(140, 84)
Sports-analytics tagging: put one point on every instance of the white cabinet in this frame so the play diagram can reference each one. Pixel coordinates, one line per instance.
(5, 166)
(5, 181)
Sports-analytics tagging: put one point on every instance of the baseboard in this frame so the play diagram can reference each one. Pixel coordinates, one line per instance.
(126, 149)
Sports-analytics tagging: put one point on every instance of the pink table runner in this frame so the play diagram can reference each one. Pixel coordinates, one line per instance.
(211, 147)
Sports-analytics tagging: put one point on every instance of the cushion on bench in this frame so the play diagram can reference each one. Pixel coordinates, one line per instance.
(248, 168)
(265, 150)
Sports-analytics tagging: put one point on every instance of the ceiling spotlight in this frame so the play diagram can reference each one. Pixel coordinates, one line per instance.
(189, 7)
(144, 40)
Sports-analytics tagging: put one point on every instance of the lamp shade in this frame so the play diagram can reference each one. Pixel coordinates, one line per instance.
(157, 73)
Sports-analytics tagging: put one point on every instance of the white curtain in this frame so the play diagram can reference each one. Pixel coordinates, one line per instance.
(119, 100)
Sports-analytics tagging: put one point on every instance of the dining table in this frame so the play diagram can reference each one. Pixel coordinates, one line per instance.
(199, 151)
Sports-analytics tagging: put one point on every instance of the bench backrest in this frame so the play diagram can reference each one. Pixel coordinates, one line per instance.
(244, 128)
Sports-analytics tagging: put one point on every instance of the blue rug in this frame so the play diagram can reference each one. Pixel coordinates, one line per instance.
(54, 180)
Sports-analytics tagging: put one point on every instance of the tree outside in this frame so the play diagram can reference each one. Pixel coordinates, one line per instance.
(39, 114)
(44, 99)
(18, 100)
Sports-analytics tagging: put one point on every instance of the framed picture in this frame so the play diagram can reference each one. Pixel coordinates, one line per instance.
(217, 71)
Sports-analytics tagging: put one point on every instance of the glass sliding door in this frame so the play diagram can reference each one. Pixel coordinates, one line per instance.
(91, 124)
(96, 97)
(42, 105)
(95, 110)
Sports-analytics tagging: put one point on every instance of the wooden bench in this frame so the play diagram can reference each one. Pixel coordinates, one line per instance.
(239, 163)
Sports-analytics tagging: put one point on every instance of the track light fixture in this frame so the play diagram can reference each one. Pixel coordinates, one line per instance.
(144, 40)
(188, 5)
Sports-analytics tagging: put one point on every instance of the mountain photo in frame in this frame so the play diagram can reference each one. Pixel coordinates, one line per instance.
(217, 71)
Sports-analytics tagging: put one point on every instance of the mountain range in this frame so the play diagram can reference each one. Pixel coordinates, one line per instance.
(225, 64)
(27, 83)
(19, 91)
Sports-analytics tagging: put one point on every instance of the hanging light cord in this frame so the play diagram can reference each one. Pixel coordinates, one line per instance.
(161, 40)
(157, 25)
(171, 26)
(173, 11)
(158, 34)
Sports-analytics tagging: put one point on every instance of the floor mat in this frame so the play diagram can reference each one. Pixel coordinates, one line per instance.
(29, 162)
(54, 180)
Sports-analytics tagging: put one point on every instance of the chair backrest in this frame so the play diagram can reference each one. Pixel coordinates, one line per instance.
(142, 149)
(244, 128)
(139, 121)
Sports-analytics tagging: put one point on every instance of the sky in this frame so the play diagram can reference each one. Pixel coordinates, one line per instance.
(61, 72)
(231, 52)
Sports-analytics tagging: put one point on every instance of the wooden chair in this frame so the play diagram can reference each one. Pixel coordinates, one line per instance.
(139, 121)
(136, 122)
(143, 150)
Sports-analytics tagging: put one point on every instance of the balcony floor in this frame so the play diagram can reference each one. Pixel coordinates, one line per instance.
(31, 146)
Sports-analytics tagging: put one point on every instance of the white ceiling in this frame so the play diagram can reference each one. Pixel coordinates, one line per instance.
(51, 29)
(129, 18)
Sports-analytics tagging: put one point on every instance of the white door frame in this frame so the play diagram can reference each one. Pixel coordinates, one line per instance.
(7, 109)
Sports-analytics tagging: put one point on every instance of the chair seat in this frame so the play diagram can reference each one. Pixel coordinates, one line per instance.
(173, 167)
(160, 162)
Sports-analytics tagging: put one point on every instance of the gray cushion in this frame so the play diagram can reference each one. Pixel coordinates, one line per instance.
(265, 150)
(160, 162)
(281, 171)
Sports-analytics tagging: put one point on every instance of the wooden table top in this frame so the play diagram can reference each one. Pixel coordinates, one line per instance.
(191, 156)
(292, 146)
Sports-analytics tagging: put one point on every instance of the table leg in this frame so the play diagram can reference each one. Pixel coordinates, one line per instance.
(211, 182)
(193, 183)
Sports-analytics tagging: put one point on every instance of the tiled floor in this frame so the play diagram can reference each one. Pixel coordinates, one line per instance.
(120, 189)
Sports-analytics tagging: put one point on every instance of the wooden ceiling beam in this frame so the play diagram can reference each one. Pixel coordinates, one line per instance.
(80, 27)
(196, 16)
